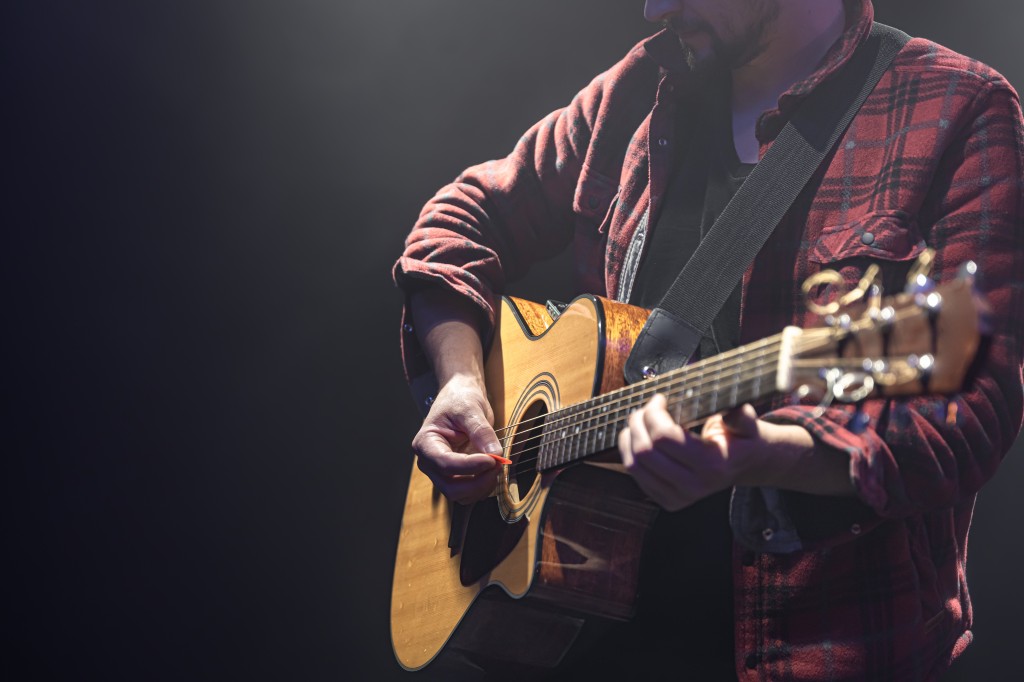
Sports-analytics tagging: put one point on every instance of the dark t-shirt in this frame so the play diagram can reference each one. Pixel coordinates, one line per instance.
(684, 620)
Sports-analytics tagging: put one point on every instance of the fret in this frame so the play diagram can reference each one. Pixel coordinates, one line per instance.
(545, 444)
(574, 433)
(590, 429)
(587, 444)
(602, 433)
(541, 447)
(675, 408)
(713, 407)
(737, 373)
(563, 436)
(760, 365)
(696, 393)
(567, 434)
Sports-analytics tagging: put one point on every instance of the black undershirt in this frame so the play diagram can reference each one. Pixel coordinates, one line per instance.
(684, 623)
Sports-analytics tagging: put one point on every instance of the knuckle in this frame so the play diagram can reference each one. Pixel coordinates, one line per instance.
(665, 439)
(636, 419)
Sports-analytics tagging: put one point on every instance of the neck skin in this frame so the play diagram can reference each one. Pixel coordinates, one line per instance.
(794, 46)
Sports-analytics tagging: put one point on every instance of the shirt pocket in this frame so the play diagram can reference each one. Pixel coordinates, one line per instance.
(889, 239)
(885, 236)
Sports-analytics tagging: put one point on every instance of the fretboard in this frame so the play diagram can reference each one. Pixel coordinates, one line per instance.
(694, 393)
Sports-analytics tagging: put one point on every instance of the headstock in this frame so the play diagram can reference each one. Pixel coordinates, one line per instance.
(920, 341)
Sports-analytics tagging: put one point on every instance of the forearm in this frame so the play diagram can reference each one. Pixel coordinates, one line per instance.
(448, 328)
(815, 468)
(783, 456)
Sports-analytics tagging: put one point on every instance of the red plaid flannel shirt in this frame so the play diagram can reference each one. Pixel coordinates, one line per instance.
(840, 589)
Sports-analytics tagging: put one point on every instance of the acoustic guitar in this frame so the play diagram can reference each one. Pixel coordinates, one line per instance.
(513, 577)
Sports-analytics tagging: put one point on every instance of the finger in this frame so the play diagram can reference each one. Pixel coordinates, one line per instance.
(480, 433)
(639, 439)
(468, 490)
(437, 454)
(625, 449)
(462, 489)
(664, 433)
(741, 422)
(663, 480)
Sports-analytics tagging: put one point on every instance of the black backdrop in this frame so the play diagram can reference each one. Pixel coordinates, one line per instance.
(207, 423)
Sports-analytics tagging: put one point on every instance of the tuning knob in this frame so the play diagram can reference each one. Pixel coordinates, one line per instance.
(918, 281)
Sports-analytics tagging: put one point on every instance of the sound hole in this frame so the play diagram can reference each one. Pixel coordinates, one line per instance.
(525, 448)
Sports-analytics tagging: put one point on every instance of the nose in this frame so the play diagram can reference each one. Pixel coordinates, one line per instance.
(657, 10)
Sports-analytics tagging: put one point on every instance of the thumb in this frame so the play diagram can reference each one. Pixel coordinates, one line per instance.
(481, 435)
(741, 422)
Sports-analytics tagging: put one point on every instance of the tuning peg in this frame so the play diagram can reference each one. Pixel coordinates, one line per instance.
(874, 301)
(968, 270)
(917, 279)
(868, 286)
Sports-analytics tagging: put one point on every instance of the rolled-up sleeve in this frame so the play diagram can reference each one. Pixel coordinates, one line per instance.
(498, 218)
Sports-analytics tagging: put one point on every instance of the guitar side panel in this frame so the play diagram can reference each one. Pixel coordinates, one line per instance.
(622, 326)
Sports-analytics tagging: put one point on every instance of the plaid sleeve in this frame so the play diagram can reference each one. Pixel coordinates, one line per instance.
(911, 459)
(499, 217)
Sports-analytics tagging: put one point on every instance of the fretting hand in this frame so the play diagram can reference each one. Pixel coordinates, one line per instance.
(677, 468)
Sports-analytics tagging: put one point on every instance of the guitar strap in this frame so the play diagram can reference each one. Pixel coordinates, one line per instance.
(675, 327)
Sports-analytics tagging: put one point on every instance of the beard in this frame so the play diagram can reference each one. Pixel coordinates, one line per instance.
(739, 47)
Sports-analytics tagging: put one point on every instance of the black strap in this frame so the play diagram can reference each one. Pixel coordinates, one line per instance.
(675, 328)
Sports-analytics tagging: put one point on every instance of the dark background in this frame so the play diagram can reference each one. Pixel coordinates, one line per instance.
(207, 425)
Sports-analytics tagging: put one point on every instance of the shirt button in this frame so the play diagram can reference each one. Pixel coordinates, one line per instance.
(407, 327)
(855, 529)
(767, 534)
(747, 559)
(662, 142)
(867, 238)
(752, 661)
(428, 401)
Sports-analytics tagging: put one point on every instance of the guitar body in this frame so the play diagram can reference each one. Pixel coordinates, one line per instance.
(511, 577)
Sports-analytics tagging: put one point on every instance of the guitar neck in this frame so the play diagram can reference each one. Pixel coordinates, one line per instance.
(694, 393)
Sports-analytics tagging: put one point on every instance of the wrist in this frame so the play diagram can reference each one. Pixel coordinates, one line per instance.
(805, 465)
(784, 450)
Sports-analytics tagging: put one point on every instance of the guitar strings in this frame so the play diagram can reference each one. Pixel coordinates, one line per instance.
(718, 363)
(676, 408)
(620, 415)
(666, 383)
(811, 339)
(761, 372)
(634, 398)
